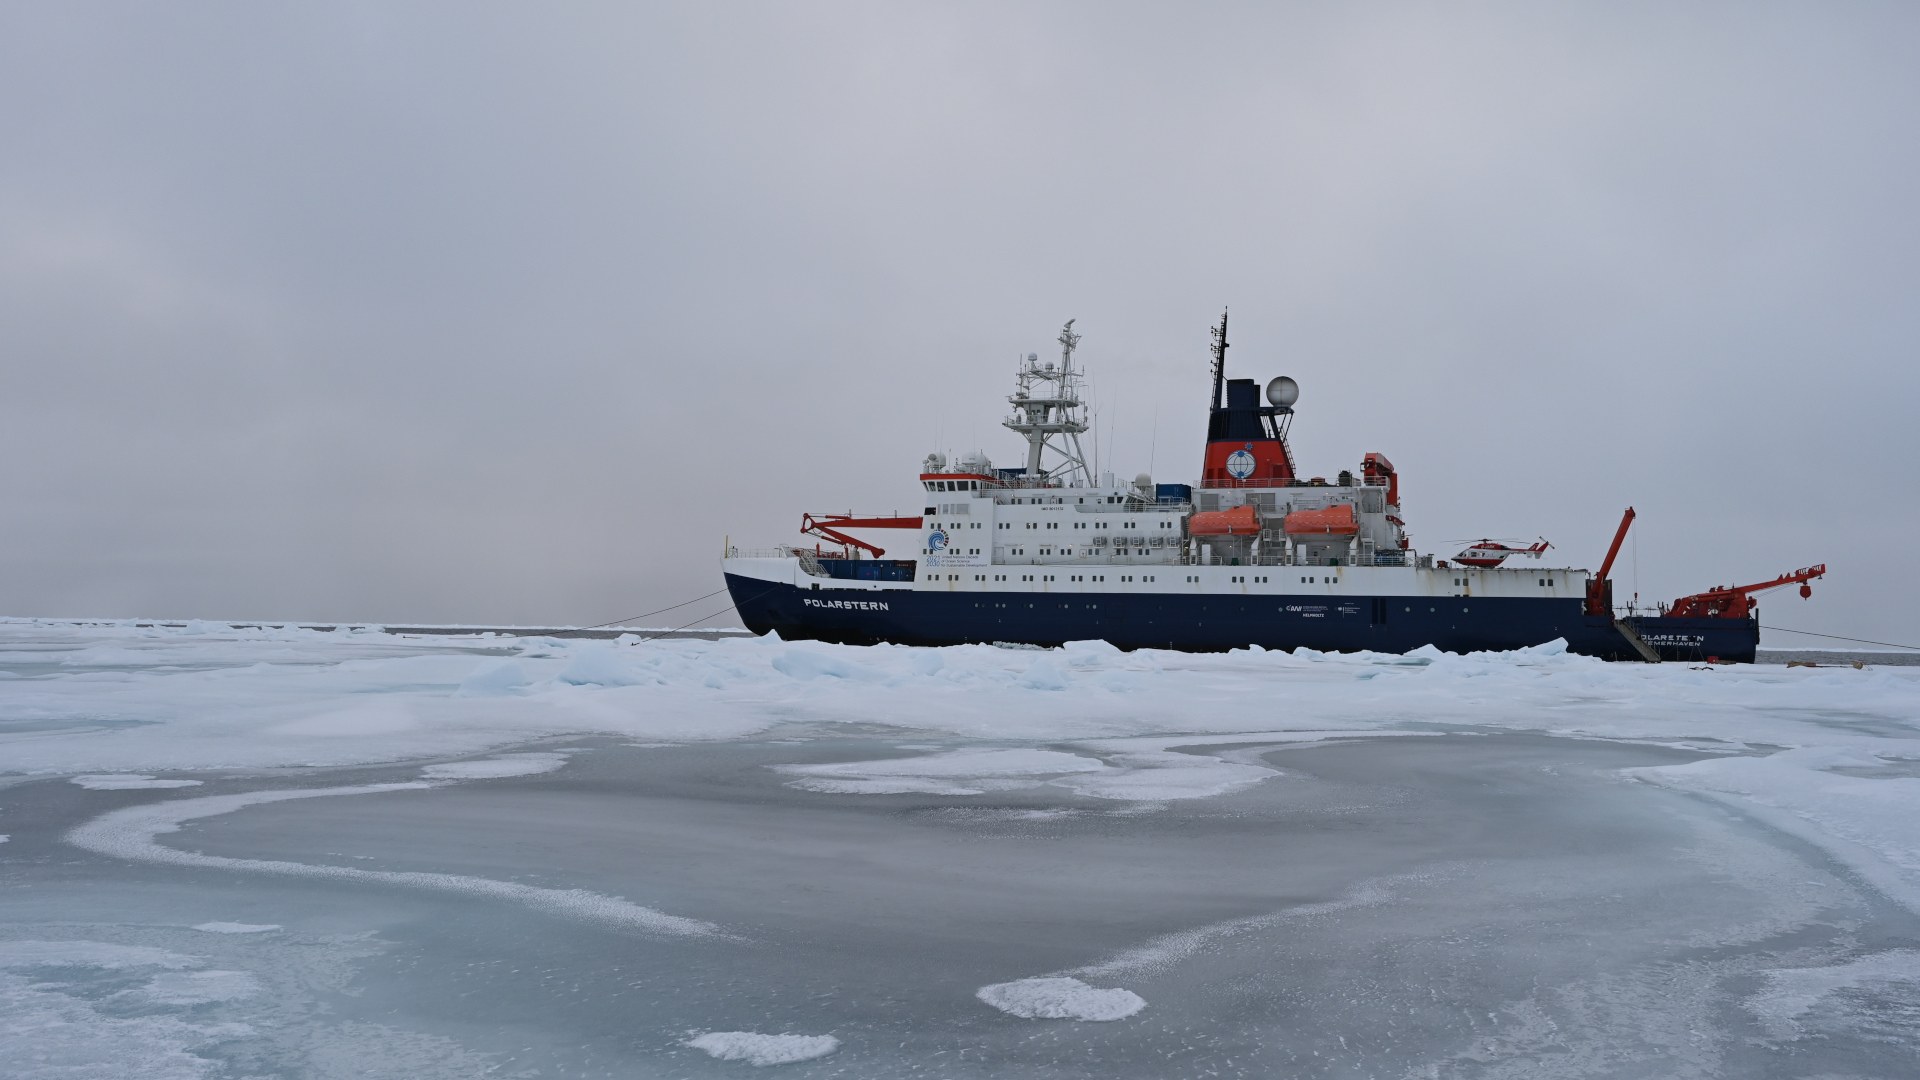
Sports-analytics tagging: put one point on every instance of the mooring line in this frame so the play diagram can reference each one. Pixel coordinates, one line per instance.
(649, 614)
(1837, 637)
(704, 618)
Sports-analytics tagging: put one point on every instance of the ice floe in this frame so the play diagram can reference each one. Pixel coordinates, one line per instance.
(757, 1049)
(1060, 998)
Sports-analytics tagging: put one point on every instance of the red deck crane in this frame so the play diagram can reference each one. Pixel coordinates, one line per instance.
(1600, 590)
(1736, 601)
(829, 526)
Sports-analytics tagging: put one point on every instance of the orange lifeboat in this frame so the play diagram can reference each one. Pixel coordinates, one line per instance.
(1239, 521)
(1336, 520)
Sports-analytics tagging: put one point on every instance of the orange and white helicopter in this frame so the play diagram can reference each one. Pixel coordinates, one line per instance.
(1487, 554)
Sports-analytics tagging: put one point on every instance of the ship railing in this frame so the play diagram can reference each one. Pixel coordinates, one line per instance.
(1122, 557)
(1406, 558)
(762, 553)
(1315, 482)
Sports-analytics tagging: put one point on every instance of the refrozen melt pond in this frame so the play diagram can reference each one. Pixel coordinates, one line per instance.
(807, 903)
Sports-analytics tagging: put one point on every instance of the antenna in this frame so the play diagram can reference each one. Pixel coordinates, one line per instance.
(1219, 357)
(1049, 412)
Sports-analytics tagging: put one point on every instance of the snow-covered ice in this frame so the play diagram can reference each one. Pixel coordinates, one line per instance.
(650, 858)
(755, 1048)
(1060, 998)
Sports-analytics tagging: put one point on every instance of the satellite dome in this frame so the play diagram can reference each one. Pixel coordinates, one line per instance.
(1282, 392)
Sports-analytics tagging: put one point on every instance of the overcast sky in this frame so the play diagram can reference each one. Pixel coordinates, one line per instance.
(512, 313)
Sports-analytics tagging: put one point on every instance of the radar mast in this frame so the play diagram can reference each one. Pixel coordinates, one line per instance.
(1048, 412)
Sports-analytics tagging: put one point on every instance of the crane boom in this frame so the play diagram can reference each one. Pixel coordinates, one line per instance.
(1735, 601)
(1600, 590)
(829, 526)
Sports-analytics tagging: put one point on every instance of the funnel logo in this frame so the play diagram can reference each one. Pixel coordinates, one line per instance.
(937, 540)
(1240, 464)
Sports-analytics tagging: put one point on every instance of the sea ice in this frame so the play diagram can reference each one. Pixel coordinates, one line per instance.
(1060, 998)
(495, 768)
(128, 782)
(955, 772)
(493, 680)
(128, 703)
(1791, 993)
(54, 1032)
(235, 927)
(131, 833)
(198, 987)
(757, 1049)
(93, 954)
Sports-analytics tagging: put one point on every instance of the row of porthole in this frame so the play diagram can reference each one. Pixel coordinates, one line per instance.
(1067, 604)
(1063, 603)
(977, 578)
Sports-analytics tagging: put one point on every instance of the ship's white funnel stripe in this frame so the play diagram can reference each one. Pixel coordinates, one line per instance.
(131, 833)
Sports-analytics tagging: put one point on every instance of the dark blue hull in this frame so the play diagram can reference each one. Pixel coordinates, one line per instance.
(1393, 624)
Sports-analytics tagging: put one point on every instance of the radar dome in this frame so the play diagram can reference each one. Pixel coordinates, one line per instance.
(1282, 392)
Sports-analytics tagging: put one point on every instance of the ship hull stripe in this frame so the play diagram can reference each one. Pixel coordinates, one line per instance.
(1201, 623)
